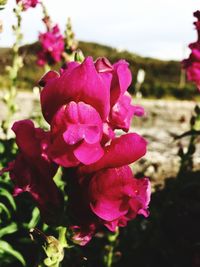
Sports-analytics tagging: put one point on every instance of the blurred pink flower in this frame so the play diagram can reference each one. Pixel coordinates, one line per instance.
(52, 44)
(28, 3)
(192, 64)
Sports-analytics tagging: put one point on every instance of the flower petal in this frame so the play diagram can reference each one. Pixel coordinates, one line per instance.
(122, 151)
(88, 153)
(81, 83)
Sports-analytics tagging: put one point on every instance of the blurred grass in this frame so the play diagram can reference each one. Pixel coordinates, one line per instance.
(162, 77)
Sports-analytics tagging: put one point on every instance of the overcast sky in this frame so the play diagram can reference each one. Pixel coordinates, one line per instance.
(156, 28)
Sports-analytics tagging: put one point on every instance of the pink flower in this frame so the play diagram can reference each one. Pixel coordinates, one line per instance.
(78, 82)
(28, 3)
(192, 64)
(122, 112)
(81, 235)
(84, 104)
(108, 192)
(109, 197)
(32, 171)
(116, 196)
(52, 43)
(193, 73)
(76, 134)
(76, 104)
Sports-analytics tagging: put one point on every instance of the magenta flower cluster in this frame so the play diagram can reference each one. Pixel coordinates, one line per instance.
(28, 3)
(84, 104)
(52, 46)
(192, 64)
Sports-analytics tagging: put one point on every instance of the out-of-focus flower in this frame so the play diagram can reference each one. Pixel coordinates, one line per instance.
(192, 64)
(28, 3)
(52, 44)
(32, 171)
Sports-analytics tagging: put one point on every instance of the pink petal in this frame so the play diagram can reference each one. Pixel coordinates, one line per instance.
(47, 77)
(122, 78)
(82, 83)
(83, 122)
(62, 154)
(122, 151)
(108, 193)
(88, 153)
(103, 65)
(25, 137)
(122, 113)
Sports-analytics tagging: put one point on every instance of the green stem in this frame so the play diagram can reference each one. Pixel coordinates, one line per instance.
(44, 9)
(110, 257)
(13, 70)
(110, 249)
(62, 236)
(187, 158)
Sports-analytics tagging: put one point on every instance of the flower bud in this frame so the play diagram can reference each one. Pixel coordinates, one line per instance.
(54, 251)
(79, 57)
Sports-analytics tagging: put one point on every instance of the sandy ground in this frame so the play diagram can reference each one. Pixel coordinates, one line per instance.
(163, 120)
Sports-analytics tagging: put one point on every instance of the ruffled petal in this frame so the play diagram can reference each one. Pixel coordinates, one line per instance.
(122, 151)
(82, 83)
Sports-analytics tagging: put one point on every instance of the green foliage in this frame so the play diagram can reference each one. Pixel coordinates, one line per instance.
(8, 253)
(7, 249)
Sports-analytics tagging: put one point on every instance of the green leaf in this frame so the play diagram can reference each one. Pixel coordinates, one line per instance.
(5, 193)
(8, 229)
(5, 247)
(35, 218)
(5, 209)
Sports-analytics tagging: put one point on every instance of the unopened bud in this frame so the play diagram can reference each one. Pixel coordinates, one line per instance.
(54, 251)
(79, 57)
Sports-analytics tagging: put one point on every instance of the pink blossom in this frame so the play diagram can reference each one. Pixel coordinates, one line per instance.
(76, 133)
(192, 64)
(109, 197)
(84, 104)
(28, 3)
(52, 43)
(116, 196)
(78, 82)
